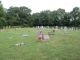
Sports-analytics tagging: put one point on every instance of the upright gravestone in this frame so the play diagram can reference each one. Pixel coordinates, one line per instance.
(56, 28)
(65, 30)
(42, 27)
(38, 27)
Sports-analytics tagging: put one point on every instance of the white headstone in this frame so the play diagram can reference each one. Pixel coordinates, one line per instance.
(42, 27)
(25, 35)
(65, 29)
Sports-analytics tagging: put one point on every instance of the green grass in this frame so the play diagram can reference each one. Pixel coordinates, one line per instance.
(59, 47)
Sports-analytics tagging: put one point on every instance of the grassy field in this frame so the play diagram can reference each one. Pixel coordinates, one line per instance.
(61, 46)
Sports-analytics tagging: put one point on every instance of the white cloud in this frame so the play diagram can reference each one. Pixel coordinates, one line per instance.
(39, 5)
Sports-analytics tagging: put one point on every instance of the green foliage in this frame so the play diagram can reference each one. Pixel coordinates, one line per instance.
(21, 16)
(75, 16)
(2, 16)
(57, 18)
(18, 16)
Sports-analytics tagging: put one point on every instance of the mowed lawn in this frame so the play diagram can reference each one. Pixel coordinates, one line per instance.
(60, 46)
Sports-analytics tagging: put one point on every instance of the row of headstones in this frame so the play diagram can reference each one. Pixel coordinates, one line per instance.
(59, 27)
(56, 27)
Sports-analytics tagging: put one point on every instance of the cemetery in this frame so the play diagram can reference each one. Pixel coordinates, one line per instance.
(39, 30)
(20, 44)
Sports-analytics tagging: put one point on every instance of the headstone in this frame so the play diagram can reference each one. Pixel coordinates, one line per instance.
(25, 35)
(19, 44)
(37, 26)
(56, 28)
(42, 27)
(65, 30)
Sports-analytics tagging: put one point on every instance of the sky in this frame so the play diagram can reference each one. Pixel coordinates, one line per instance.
(41, 5)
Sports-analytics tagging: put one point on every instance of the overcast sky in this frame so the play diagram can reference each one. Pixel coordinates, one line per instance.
(39, 5)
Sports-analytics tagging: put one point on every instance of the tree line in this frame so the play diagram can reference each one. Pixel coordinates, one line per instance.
(21, 16)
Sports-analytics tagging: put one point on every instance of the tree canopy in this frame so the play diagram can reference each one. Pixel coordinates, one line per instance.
(21, 16)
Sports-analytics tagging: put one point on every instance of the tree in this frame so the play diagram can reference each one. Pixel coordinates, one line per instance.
(17, 16)
(42, 18)
(66, 19)
(2, 16)
(75, 16)
(45, 17)
(60, 16)
(25, 16)
(36, 19)
(53, 18)
(13, 16)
